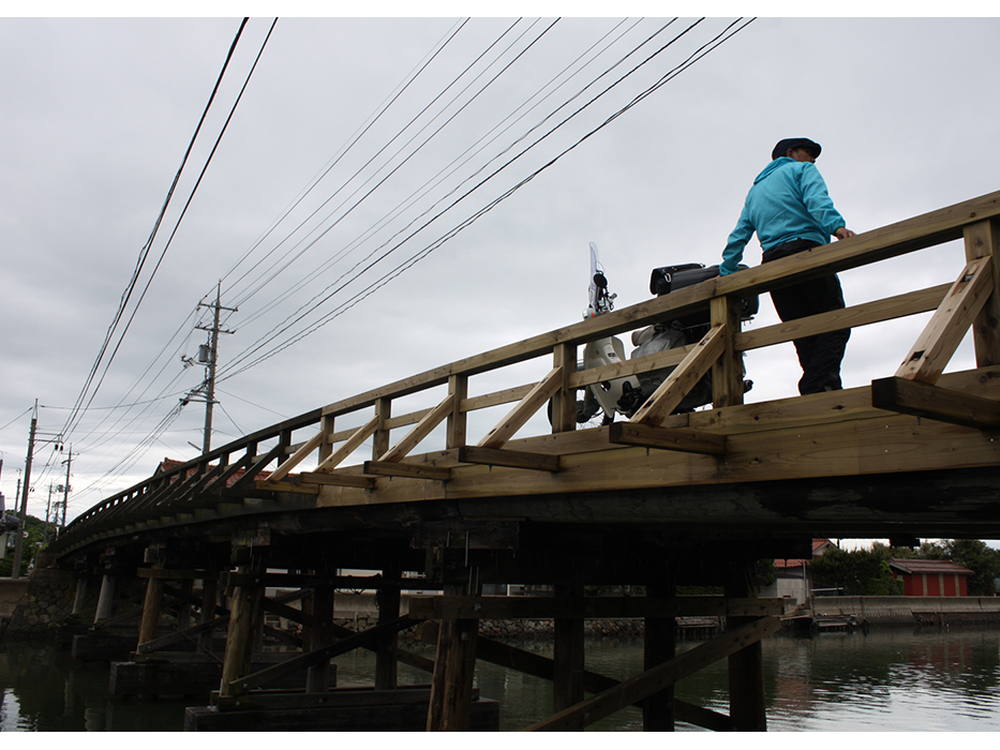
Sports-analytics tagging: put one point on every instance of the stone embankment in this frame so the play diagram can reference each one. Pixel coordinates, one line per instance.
(912, 610)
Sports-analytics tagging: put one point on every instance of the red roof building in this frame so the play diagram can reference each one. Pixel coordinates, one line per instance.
(931, 577)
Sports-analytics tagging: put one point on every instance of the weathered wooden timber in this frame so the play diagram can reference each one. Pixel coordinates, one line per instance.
(251, 540)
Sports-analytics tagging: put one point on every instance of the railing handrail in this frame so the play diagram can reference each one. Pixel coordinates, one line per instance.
(908, 235)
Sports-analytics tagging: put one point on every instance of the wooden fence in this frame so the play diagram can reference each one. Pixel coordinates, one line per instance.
(301, 455)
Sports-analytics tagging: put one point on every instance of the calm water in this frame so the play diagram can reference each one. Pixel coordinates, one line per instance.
(886, 681)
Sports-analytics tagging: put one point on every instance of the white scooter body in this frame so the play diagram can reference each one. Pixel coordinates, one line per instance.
(609, 351)
(606, 351)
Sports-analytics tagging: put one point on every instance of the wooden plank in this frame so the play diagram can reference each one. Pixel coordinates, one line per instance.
(353, 442)
(292, 484)
(380, 438)
(933, 402)
(685, 376)
(415, 471)
(727, 371)
(658, 361)
(653, 680)
(521, 413)
(562, 407)
(504, 457)
(423, 428)
(926, 230)
(170, 573)
(946, 328)
(502, 607)
(296, 458)
(458, 387)
(259, 464)
(982, 240)
(338, 479)
(890, 308)
(496, 398)
(359, 640)
(536, 665)
(688, 441)
(181, 635)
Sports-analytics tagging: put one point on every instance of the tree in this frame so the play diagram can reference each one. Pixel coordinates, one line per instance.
(974, 554)
(37, 538)
(859, 572)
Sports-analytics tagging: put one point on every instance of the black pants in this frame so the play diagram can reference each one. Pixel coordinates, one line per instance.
(820, 355)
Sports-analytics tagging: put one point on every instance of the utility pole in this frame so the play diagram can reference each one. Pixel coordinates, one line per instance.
(15, 570)
(210, 359)
(66, 488)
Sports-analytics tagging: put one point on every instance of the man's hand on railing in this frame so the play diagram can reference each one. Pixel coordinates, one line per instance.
(843, 233)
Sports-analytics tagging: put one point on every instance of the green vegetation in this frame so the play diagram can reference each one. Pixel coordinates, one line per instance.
(39, 534)
(866, 571)
(859, 572)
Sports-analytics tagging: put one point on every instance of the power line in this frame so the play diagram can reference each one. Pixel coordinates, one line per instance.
(715, 42)
(144, 253)
(302, 312)
(485, 140)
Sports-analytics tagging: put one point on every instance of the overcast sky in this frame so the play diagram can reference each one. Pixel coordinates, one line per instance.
(99, 112)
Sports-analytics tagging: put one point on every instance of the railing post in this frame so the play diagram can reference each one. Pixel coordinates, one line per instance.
(380, 440)
(727, 372)
(458, 386)
(327, 428)
(982, 239)
(564, 402)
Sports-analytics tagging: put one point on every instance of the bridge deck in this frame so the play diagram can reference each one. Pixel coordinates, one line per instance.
(922, 432)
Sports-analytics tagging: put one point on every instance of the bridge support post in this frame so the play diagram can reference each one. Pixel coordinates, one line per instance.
(153, 601)
(387, 599)
(106, 599)
(209, 601)
(746, 667)
(450, 704)
(320, 607)
(568, 654)
(80, 595)
(659, 647)
(244, 615)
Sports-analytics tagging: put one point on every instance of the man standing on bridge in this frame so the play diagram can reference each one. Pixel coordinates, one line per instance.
(789, 208)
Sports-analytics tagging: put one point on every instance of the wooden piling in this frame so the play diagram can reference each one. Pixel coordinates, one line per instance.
(746, 666)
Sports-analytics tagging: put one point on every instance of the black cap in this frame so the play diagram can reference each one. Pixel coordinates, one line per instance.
(782, 147)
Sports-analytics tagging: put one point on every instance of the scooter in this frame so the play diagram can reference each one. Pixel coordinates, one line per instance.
(626, 395)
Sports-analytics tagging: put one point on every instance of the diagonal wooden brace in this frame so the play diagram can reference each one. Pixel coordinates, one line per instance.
(946, 328)
(685, 376)
(542, 392)
(296, 458)
(663, 675)
(429, 421)
(350, 445)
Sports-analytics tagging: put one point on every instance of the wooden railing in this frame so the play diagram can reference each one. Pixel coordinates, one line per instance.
(235, 470)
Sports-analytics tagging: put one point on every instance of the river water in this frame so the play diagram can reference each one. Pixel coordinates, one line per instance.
(891, 680)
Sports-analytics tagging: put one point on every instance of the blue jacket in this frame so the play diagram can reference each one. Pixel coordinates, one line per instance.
(788, 201)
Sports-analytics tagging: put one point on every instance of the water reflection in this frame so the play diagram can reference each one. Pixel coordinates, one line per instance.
(889, 680)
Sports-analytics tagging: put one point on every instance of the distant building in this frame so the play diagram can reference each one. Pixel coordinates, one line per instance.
(792, 577)
(931, 577)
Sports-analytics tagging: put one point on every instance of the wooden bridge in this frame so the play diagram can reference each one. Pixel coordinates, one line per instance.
(659, 501)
